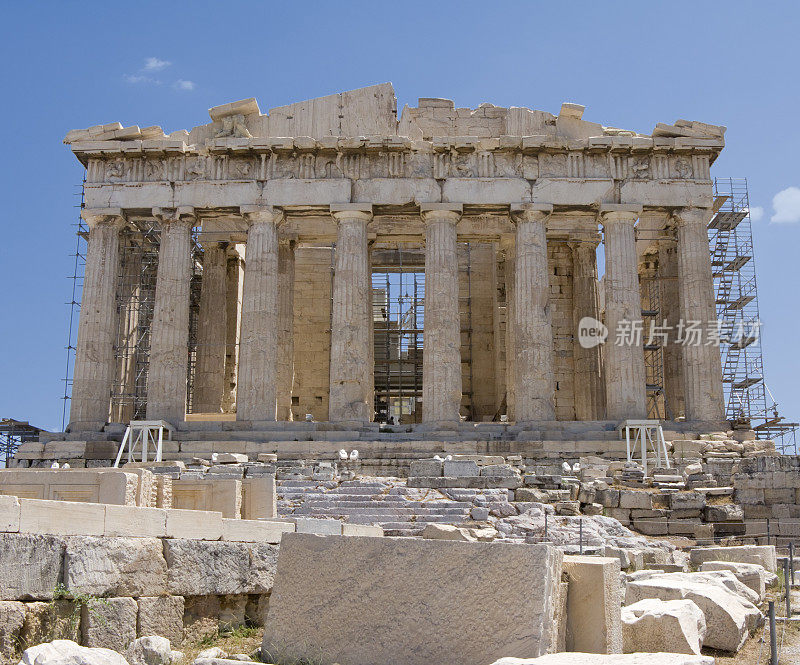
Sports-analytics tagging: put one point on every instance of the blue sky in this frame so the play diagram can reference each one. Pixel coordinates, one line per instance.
(633, 64)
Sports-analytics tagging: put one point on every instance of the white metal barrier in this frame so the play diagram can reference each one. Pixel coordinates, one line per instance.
(644, 435)
(140, 435)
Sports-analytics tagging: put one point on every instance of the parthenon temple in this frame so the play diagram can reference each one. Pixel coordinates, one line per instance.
(328, 261)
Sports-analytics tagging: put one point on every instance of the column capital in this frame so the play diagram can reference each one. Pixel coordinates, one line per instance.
(351, 211)
(615, 212)
(103, 216)
(179, 214)
(255, 214)
(693, 215)
(441, 212)
(584, 243)
(531, 212)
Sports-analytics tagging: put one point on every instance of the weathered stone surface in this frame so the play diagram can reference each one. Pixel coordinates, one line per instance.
(593, 619)
(12, 618)
(656, 625)
(152, 650)
(197, 568)
(115, 566)
(263, 563)
(9, 513)
(58, 619)
(750, 574)
(201, 617)
(635, 499)
(402, 591)
(425, 468)
(161, 615)
(728, 615)
(724, 513)
(567, 658)
(30, 566)
(109, 623)
(435, 531)
(66, 651)
(763, 555)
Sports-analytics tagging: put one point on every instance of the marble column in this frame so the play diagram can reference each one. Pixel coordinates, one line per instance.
(94, 356)
(256, 390)
(626, 389)
(670, 314)
(209, 375)
(351, 371)
(589, 399)
(441, 360)
(702, 366)
(169, 331)
(285, 328)
(509, 250)
(533, 330)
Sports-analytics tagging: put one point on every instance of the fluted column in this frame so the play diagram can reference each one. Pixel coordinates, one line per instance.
(533, 330)
(509, 249)
(702, 367)
(351, 371)
(669, 300)
(209, 376)
(626, 390)
(169, 331)
(441, 360)
(285, 328)
(94, 356)
(233, 319)
(589, 400)
(256, 390)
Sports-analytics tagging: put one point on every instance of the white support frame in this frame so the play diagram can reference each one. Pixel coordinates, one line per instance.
(646, 434)
(139, 435)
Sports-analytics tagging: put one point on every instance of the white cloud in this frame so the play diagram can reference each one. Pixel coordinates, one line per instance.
(786, 204)
(756, 213)
(181, 84)
(155, 64)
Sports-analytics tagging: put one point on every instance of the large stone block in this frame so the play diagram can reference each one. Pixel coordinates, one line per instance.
(729, 617)
(656, 625)
(12, 618)
(751, 575)
(58, 619)
(428, 601)
(62, 518)
(115, 566)
(135, 522)
(763, 555)
(30, 566)
(9, 514)
(568, 658)
(194, 524)
(222, 495)
(255, 531)
(161, 615)
(259, 499)
(74, 485)
(201, 568)
(68, 651)
(109, 623)
(593, 618)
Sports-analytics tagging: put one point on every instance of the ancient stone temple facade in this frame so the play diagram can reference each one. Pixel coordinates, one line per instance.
(231, 269)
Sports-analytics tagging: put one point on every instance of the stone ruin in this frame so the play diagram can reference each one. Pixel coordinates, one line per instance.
(390, 444)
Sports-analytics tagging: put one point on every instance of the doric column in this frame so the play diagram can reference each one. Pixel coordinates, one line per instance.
(669, 299)
(169, 331)
(441, 359)
(626, 390)
(589, 400)
(351, 372)
(94, 356)
(701, 362)
(509, 250)
(256, 389)
(285, 328)
(533, 331)
(209, 375)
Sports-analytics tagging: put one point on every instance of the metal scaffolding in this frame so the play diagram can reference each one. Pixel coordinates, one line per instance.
(748, 399)
(13, 433)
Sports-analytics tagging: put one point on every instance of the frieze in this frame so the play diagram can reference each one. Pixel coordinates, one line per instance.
(362, 160)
